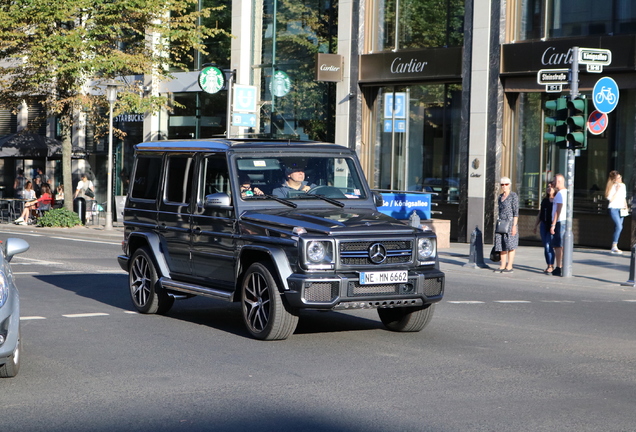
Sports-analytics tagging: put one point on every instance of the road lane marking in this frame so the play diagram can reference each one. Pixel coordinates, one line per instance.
(29, 318)
(87, 241)
(558, 301)
(466, 302)
(34, 261)
(512, 301)
(85, 315)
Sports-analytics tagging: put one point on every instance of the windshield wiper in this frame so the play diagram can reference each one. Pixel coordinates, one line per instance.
(324, 198)
(275, 198)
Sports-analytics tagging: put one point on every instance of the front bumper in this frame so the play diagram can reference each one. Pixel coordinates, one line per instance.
(9, 325)
(343, 291)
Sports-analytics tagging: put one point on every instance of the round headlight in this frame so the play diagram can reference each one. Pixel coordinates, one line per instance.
(425, 248)
(316, 251)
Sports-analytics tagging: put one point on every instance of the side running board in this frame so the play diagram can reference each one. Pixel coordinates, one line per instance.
(169, 284)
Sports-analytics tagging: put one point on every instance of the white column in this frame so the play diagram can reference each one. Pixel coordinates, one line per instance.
(478, 131)
(343, 101)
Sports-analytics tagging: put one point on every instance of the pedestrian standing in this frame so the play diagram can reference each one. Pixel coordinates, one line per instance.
(559, 217)
(507, 240)
(544, 220)
(616, 193)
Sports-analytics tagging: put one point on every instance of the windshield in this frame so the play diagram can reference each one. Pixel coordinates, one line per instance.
(298, 177)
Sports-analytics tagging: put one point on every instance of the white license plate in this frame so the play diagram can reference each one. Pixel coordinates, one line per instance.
(385, 277)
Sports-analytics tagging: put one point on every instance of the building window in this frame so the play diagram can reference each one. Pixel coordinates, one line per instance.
(535, 162)
(417, 139)
(560, 18)
(197, 115)
(217, 47)
(290, 36)
(404, 24)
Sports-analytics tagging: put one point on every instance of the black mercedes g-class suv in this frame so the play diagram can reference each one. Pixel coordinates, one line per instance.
(279, 226)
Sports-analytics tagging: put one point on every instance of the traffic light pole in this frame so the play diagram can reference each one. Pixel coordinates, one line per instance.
(568, 244)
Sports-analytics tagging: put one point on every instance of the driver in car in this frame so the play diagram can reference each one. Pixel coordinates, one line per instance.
(295, 181)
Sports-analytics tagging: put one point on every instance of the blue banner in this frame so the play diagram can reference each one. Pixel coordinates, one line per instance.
(401, 205)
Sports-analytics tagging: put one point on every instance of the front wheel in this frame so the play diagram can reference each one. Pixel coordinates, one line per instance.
(264, 313)
(408, 319)
(12, 366)
(145, 295)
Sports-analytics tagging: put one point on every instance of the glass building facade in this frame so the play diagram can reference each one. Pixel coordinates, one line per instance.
(414, 124)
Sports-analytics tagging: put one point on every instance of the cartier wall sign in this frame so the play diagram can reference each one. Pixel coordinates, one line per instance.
(329, 67)
(432, 63)
(529, 57)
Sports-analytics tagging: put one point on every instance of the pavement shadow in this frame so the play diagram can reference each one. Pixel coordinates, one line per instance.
(109, 289)
(112, 290)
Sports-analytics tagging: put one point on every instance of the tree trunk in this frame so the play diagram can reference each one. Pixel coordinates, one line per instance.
(67, 174)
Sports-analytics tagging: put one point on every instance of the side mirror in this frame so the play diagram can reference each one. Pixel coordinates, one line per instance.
(15, 246)
(216, 200)
(377, 199)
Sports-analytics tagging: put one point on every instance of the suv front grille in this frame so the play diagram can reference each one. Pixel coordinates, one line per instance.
(433, 287)
(321, 292)
(356, 253)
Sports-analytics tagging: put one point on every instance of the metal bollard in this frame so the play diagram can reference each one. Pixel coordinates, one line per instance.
(632, 268)
(476, 258)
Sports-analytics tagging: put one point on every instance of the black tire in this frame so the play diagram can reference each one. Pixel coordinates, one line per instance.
(264, 313)
(12, 366)
(144, 292)
(406, 319)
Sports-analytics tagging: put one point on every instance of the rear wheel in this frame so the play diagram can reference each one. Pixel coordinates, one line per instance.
(406, 319)
(12, 366)
(263, 310)
(145, 295)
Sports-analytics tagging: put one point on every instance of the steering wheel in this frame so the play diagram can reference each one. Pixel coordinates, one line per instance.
(327, 191)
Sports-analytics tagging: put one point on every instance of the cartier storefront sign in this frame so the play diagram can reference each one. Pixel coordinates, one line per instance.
(329, 67)
(432, 63)
(524, 58)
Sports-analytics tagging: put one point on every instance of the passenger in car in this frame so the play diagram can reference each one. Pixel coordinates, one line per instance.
(246, 187)
(295, 182)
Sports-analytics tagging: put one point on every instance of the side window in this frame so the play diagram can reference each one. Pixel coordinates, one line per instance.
(179, 179)
(146, 177)
(215, 176)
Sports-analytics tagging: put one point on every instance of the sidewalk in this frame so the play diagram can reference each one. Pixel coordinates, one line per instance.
(89, 231)
(590, 267)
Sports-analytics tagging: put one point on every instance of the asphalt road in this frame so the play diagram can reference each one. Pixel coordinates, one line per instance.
(501, 354)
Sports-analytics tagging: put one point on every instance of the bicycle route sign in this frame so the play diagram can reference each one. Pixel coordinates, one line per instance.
(605, 95)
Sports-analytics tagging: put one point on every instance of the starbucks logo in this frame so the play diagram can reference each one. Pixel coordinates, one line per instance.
(211, 79)
(281, 84)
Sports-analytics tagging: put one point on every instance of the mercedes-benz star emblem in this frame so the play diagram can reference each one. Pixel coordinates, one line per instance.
(377, 253)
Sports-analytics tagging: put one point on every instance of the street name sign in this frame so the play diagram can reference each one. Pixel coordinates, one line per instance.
(553, 76)
(602, 57)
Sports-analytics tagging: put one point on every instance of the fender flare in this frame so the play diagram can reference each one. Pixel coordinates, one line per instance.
(153, 241)
(278, 258)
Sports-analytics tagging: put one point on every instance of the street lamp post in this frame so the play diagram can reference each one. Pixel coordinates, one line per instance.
(111, 96)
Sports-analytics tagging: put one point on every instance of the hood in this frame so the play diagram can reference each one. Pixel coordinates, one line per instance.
(333, 221)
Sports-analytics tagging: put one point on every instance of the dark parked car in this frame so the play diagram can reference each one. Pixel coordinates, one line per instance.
(276, 225)
(10, 311)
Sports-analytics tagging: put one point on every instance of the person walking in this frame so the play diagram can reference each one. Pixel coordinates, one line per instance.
(507, 232)
(559, 217)
(616, 193)
(544, 220)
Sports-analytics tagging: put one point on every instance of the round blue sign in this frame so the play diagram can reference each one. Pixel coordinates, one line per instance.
(605, 95)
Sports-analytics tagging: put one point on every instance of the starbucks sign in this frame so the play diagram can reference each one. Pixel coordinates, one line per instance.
(281, 84)
(211, 79)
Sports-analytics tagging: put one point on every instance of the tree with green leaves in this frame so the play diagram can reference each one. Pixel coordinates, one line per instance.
(59, 54)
